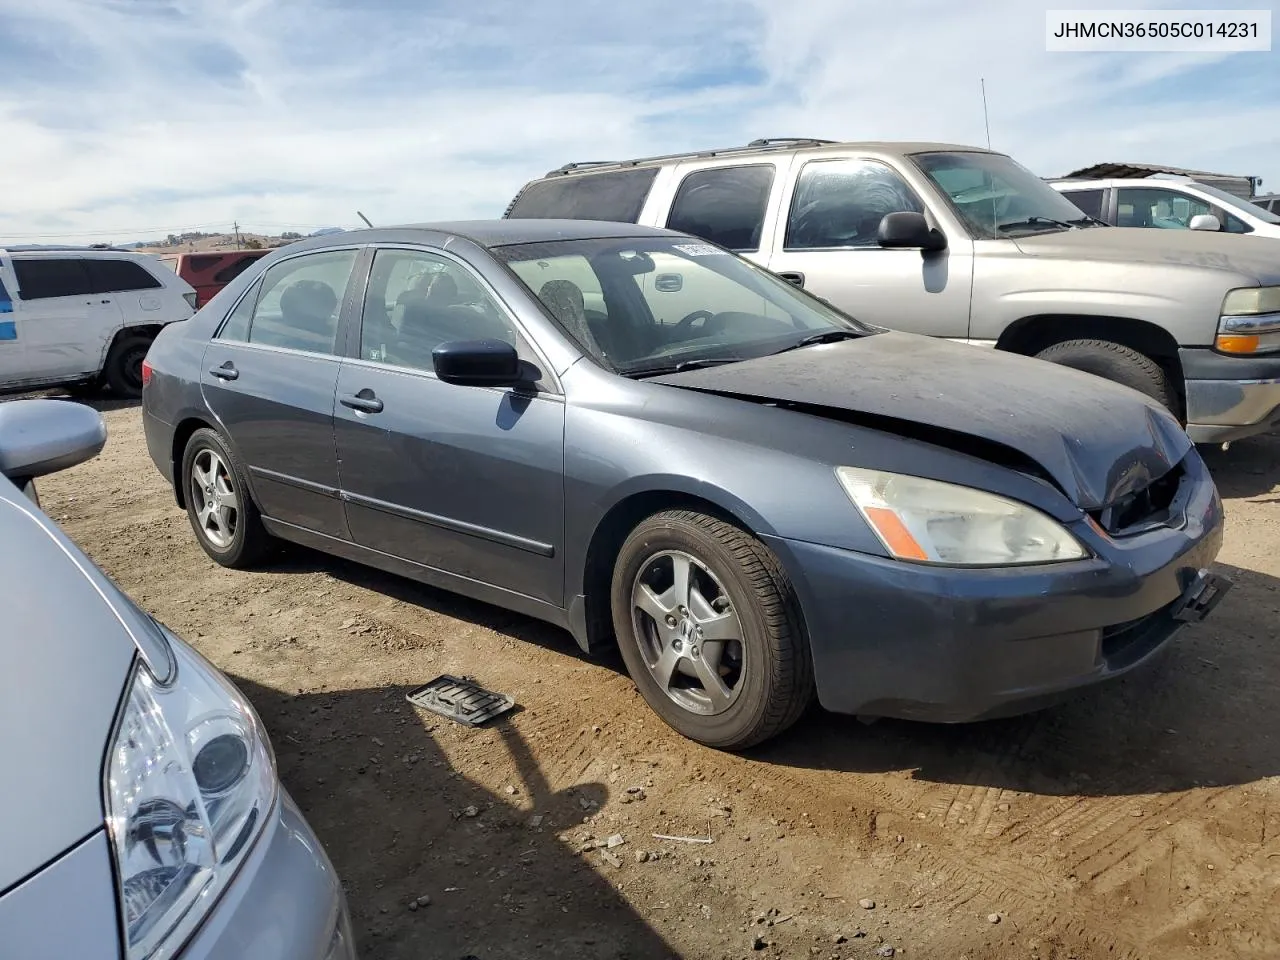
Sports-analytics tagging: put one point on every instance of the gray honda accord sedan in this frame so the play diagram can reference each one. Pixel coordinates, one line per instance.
(652, 442)
(140, 813)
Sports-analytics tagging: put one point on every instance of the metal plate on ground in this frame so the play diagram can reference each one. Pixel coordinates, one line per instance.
(460, 699)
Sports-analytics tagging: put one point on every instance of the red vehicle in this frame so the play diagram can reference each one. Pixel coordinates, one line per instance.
(210, 272)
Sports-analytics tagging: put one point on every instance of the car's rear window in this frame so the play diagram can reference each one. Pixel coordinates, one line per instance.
(618, 196)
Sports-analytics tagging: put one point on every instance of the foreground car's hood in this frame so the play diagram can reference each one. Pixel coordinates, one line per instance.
(1254, 257)
(66, 658)
(1095, 440)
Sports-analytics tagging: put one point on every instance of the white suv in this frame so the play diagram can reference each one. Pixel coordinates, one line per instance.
(1170, 203)
(83, 317)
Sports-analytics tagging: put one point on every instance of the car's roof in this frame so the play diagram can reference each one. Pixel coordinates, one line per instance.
(61, 253)
(489, 233)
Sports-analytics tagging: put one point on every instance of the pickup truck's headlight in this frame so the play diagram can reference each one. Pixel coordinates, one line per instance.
(1250, 321)
(929, 521)
(190, 780)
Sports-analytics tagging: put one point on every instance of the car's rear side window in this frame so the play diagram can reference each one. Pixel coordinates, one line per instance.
(118, 276)
(236, 326)
(234, 269)
(45, 277)
(618, 196)
(725, 205)
(300, 301)
(1089, 201)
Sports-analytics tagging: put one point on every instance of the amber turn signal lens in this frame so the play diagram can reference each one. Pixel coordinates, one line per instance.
(1236, 343)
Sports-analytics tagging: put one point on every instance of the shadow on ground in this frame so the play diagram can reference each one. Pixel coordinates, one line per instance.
(1203, 714)
(499, 887)
(1249, 469)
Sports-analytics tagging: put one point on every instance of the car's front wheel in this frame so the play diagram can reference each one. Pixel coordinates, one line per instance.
(222, 514)
(123, 370)
(710, 630)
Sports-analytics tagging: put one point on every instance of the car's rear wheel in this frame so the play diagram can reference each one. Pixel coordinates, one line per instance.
(1115, 362)
(222, 514)
(710, 631)
(123, 369)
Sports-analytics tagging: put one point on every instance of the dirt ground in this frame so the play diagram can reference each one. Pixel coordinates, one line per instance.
(1139, 821)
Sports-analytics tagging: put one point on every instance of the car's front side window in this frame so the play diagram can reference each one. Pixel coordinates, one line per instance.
(839, 204)
(416, 301)
(996, 197)
(300, 302)
(1157, 207)
(667, 302)
(1089, 201)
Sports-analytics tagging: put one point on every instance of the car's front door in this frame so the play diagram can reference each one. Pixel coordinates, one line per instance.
(12, 345)
(269, 376)
(468, 480)
(828, 244)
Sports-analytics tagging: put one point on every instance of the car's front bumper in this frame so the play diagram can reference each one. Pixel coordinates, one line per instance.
(285, 903)
(894, 639)
(1229, 398)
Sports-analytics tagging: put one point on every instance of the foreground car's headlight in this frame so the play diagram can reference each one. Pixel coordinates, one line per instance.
(190, 780)
(1250, 321)
(929, 521)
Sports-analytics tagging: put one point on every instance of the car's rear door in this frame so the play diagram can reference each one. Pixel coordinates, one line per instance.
(269, 376)
(60, 318)
(462, 479)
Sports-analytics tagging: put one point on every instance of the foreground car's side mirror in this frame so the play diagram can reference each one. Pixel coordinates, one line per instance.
(1205, 221)
(909, 230)
(478, 363)
(41, 436)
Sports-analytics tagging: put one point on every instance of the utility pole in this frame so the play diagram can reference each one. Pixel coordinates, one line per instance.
(236, 227)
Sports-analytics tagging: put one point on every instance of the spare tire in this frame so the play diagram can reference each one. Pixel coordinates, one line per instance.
(1117, 363)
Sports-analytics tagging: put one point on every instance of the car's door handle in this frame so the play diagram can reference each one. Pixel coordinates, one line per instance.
(227, 371)
(365, 401)
(793, 276)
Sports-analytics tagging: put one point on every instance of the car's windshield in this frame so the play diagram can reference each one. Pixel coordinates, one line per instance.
(997, 197)
(1244, 206)
(651, 304)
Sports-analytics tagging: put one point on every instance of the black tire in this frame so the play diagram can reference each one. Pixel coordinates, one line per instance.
(774, 680)
(1117, 363)
(248, 540)
(123, 369)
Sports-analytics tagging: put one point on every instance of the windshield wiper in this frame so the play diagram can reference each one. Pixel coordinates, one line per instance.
(1035, 222)
(1087, 220)
(826, 336)
(683, 365)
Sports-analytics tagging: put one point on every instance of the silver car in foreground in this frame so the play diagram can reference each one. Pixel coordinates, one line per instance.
(140, 813)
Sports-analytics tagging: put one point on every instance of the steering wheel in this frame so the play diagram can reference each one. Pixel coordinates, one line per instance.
(689, 320)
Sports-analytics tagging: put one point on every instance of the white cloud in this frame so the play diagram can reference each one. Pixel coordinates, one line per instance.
(126, 114)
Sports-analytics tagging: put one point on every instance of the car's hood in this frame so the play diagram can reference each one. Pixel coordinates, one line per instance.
(1095, 440)
(66, 659)
(1255, 257)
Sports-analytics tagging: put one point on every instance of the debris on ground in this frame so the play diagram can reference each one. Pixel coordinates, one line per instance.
(867, 904)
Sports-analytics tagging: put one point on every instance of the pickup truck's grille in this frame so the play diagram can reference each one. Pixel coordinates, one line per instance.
(1152, 506)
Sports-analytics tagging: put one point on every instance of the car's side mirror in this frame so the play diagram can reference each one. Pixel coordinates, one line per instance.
(41, 436)
(1205, 221)
(478, 363)
(909, 230)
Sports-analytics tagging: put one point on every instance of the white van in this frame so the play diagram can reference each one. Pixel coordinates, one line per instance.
(83, 317)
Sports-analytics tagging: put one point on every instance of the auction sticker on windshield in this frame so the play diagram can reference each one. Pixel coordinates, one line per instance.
(698, 249)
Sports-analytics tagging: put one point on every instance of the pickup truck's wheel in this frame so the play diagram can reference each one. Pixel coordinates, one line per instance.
(222, 513)
(123, 369)
(1115, 362)
(710, 631)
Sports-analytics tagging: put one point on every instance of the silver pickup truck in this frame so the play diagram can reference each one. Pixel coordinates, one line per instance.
(963, 243)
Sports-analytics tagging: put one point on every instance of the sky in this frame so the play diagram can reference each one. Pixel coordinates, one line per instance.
(130, 119)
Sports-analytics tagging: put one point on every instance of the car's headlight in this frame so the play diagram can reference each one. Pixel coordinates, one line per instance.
(190, 780)
(1250, 321)
(929, 521)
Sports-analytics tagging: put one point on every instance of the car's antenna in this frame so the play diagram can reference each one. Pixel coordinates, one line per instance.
(370, 225)
(985, 121)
